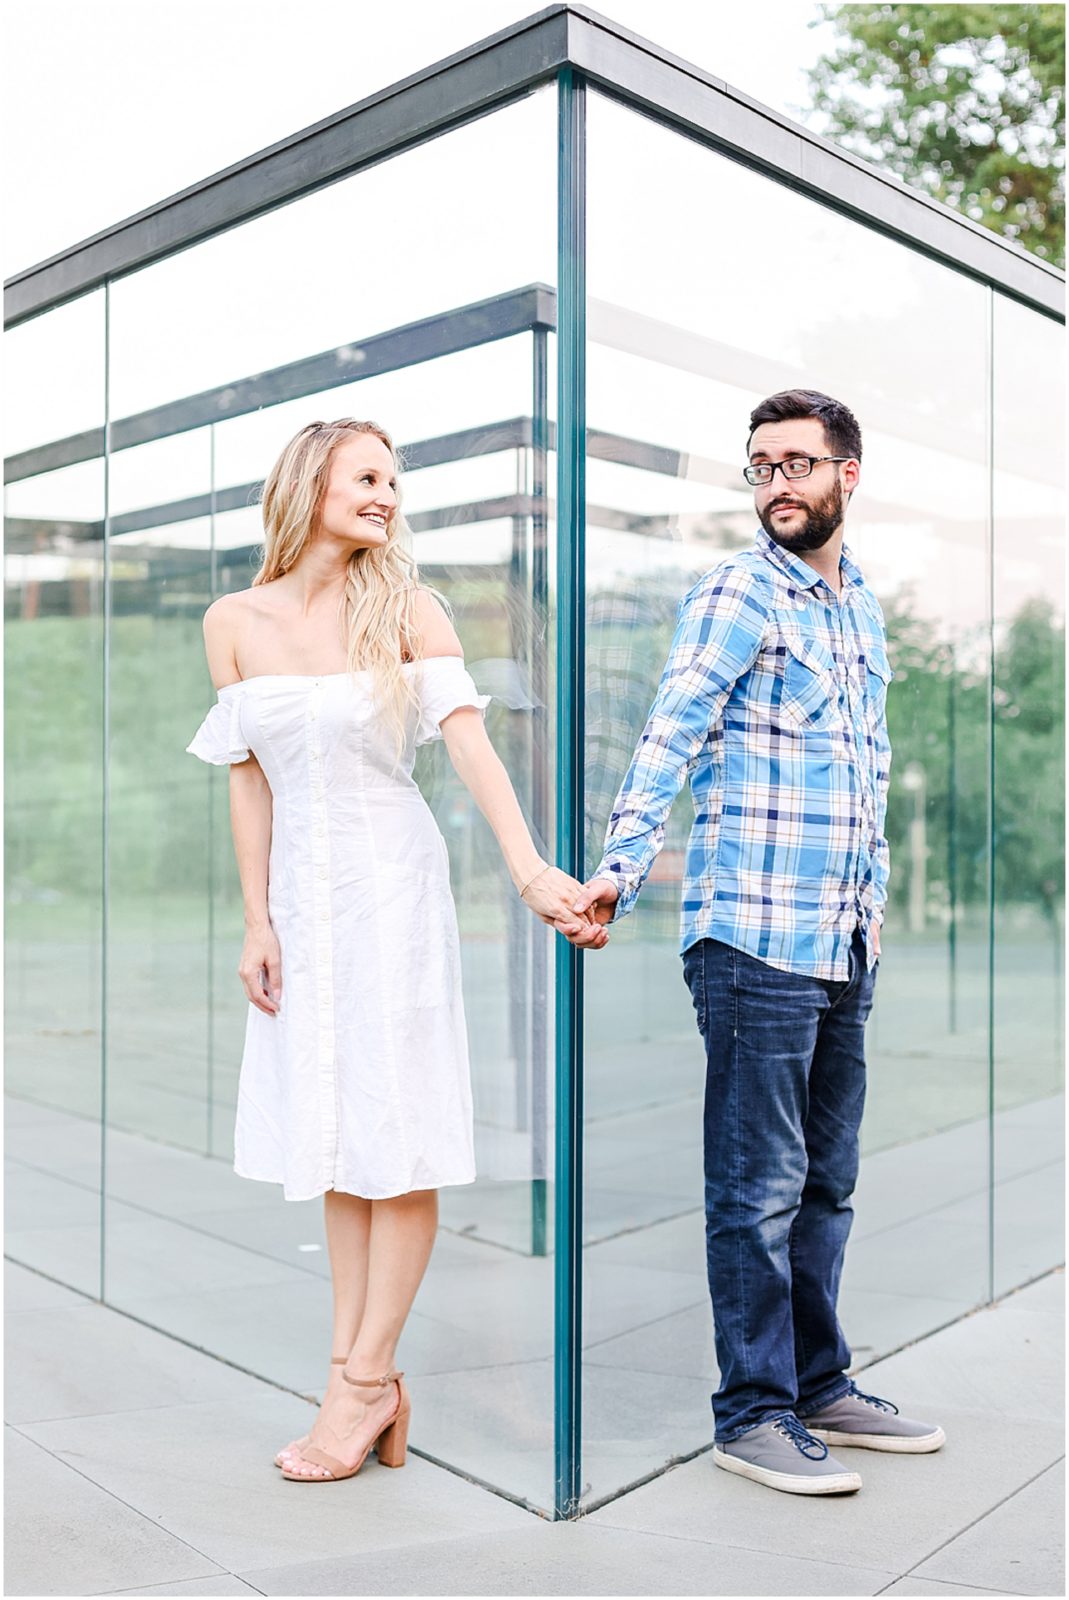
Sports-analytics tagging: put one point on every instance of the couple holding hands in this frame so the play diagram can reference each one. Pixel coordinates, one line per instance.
(330, 670)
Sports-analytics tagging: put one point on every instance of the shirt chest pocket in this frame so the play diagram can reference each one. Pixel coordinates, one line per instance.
(810, 689)
(878, 675)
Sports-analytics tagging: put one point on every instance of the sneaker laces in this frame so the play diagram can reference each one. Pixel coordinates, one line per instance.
(872, 1400)
(812, 1448)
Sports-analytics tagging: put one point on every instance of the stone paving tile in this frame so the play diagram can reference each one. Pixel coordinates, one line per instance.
(925, 1256)
(278, 1330)
(84, 1360)
(67, 1536)
(927, 1586)
(242, 1513)
(145, 1256)
(1002, 1364)
(46, 1200)
(679, 1345)
(206, 1586)
(1019, 1546)
(1046, 1294)
(876, 1322)
(20, 1113)
(569, 1559)
(25, 1290)
(908, 1507)
(1029, 1225)
(677, 1243)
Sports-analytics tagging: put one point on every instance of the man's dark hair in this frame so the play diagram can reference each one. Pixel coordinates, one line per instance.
(839, 423)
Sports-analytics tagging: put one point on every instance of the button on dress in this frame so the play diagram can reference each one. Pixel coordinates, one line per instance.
(360, 1081)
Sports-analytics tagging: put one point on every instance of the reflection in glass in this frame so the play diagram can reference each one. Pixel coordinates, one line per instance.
(1029, 809)
(682, 347)
(224, 1262)
(54, 835)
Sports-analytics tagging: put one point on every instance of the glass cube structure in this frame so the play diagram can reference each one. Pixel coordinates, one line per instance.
(561, 267)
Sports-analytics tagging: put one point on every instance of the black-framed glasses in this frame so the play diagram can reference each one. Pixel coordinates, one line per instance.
(793, 467)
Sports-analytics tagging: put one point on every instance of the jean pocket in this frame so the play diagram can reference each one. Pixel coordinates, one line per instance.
(694, 973)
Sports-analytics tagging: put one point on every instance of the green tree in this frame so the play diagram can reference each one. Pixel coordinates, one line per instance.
(965, 102)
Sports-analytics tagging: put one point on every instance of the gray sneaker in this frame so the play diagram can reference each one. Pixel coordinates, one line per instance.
(782, 1454)
(867, 1423)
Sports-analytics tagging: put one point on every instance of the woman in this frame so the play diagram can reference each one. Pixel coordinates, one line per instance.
(354, 1083)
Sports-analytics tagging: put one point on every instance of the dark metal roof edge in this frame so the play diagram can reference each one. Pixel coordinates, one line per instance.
(482, 77)
(527, 53)
(1048, 296)
(807, 136)
(257, 156)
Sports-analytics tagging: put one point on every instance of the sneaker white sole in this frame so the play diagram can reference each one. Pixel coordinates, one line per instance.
(788, 1482)
(900, 1444)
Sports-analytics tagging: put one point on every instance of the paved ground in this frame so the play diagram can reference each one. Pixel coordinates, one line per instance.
(230, 1268)
(136, 1465)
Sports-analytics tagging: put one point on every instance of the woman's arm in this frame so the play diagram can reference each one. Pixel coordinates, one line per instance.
(250, 823)
(251, 815)
(548, 892)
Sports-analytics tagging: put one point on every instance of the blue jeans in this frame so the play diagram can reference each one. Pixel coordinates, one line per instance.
(785, 1088)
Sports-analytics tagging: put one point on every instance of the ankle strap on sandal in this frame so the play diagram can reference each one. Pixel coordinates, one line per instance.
(373, 1383)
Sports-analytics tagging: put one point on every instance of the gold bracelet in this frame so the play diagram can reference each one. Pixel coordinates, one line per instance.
(535, 879)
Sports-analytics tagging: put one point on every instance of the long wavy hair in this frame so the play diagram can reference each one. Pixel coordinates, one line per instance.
(380, 582)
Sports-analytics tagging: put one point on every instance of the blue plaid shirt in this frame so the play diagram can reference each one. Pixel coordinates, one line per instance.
(772, 703)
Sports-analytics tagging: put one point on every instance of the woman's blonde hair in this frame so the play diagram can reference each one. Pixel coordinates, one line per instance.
(381, 582)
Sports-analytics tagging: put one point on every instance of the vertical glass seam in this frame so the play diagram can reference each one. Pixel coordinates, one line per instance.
(991, 781)
(571, 447)
(213, 583)
(105, 739)
(538, 488)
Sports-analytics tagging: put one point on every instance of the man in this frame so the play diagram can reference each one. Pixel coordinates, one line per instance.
(773, 704)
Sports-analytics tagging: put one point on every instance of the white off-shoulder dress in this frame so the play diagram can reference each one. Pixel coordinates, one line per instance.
(360, 1081)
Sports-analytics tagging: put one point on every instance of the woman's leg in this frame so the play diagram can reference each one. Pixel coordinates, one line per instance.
(400, 1240)
(403, 1230)
(347, 1220)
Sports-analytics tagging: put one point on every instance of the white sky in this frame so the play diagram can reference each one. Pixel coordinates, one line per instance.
(109, 105)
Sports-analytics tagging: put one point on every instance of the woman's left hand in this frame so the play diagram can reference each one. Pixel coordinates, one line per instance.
(552, 895)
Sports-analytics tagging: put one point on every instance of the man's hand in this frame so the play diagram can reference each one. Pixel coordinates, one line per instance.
(876, 939)
(595, 899)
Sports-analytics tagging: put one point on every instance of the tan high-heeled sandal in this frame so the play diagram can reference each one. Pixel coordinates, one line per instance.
(389, 1444)
(299, 1444)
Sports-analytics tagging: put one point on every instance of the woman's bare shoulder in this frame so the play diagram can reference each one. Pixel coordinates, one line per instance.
(223, 622)
(438, 637)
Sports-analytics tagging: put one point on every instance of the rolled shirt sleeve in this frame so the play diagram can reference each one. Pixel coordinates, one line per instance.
(720, 628)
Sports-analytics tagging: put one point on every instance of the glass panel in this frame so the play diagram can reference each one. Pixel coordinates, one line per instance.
(1029, 717)
(688, 331)
(54, 366)
(224, 1262)
(54, 668)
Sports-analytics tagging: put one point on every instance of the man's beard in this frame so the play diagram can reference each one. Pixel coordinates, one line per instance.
(822, 520)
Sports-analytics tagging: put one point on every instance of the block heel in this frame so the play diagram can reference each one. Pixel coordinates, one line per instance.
(392, 1443)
